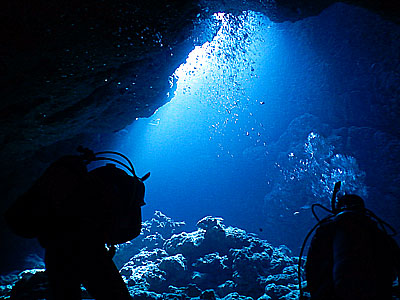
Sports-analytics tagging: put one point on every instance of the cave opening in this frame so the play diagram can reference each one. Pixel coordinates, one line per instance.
(255, 132)
(194, 144)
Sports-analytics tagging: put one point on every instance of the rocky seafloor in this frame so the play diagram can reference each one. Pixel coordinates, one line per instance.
(215, 261)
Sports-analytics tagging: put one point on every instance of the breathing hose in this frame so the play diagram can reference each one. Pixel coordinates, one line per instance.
(333, 206)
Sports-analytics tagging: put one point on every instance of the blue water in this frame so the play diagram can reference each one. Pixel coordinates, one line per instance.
(194, 145)
(224, 145)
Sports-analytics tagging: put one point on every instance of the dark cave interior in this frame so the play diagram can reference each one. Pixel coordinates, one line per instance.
(67, 68)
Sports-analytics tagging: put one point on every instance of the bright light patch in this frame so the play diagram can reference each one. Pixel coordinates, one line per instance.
(234, 48)
(219, 16)
(218, 78)
(197, 54)
(217, 91)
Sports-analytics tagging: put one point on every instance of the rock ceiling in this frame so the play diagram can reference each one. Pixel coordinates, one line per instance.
(73, 68)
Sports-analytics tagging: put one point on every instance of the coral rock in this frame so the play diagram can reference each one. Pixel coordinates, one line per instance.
(208, 295)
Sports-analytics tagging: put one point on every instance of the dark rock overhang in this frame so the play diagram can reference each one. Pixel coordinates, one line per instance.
(91, 67)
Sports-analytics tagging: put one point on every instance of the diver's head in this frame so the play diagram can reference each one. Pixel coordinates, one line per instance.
(117, 184)
(350, 202)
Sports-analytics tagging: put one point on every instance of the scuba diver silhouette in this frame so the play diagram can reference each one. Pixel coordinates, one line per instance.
(351, 255)
(74, 214)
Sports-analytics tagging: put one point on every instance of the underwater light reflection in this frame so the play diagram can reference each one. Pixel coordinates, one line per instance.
(210, 117)
(221, 77)
(220, 147)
